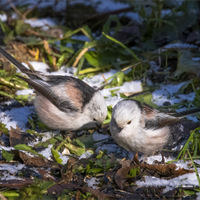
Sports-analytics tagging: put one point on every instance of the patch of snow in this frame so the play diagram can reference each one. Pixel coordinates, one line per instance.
(64, 158)
(6, 148)
(168, 12)
(47, 152)
(41, 22)
(40, 66)
(165, 94)
(151, 159)
(45, 136)
(15, 16)
(153, 67)
(13, 169)
(133, 86)
(190, 117)
(179, 46)
(92, 182)
(87, 154)
(25, 65)
(7, 176)
(97, 80)
(112, 101)
(3, 17)
(196, 59)
(65, 71)
(16, 117)
(8, 102)
(25, 92)
(186, 179)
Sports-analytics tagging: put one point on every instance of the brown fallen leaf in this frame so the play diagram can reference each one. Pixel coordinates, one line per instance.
(46, 175)
(46, 46)
(166, 171)
(34, 161)
(17, 137)
(16, 184)
(121, 175)
(67, 170)
(163, 170)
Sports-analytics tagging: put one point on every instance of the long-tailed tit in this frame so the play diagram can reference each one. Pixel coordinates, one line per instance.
(140, 128)
(64, 102)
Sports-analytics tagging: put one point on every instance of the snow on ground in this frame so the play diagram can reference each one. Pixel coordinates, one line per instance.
(3, 17)
(43, 22)
(87, 154)
(47, 152)
(92, 182)
(40, 66)
(179, 46)
(166, 92)
(186, 179)
(97, 80)
(16, 117)
(9, 171)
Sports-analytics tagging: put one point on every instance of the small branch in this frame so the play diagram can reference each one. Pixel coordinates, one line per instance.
(14, 8)
(30, 10)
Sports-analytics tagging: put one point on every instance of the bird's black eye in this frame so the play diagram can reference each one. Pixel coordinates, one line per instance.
(94, 119)
(129, 122)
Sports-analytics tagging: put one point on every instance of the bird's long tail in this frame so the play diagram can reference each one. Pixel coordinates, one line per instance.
(186, 113)
(12, 60)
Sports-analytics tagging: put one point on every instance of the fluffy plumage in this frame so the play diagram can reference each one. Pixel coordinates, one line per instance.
(64, 102)
(140, 128)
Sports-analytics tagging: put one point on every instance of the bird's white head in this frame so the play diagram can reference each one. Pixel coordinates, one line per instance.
(95, 111)
(126, 115)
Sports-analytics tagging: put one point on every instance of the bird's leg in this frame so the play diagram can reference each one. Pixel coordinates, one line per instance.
(160, 162)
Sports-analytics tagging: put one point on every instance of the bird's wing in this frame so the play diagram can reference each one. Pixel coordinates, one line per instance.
(153, 119)
(44, 89)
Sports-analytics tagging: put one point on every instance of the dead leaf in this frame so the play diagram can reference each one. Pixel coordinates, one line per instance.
(46, 46)
(67, 170)
(17, 137)
(34, 161)
(16, 184)
(166, 171)
(162, 170)
(54, 63)
(46, 175)
(121, 175)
